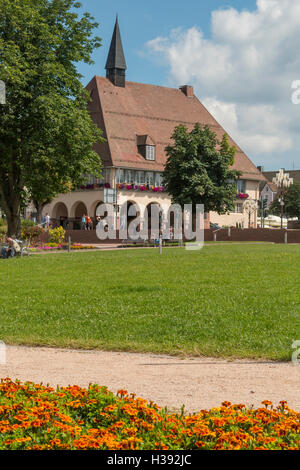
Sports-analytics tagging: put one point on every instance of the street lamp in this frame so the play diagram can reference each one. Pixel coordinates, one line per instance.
(283, 182)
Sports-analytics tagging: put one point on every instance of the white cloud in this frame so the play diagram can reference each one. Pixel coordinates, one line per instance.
(243, 73)
(267, 128)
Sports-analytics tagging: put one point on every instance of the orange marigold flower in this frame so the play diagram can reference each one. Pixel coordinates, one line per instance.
(267, 403)
(226, 403)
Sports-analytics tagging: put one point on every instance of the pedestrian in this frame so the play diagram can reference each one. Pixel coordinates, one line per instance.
(89, 223)
(47, 221)
(83, 222)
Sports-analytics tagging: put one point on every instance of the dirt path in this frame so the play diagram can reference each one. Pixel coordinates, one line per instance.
(169, 381)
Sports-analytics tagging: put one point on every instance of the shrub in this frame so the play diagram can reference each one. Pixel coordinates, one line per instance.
(57, 235)
(27, 223)
(3, 231)
(31, 233)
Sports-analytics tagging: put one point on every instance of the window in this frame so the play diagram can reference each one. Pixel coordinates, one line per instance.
(120, 176)
(150, 152)
(140, 177)
(239, 208)
(241, 186)
(106, 176)
(129, 176)
(149, 178)
(146, 146)
(89, 179)
(158, 179)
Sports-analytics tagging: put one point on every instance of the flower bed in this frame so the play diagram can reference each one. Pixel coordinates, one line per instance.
(242, 196)
(58, 246)
(89, 187)
(141, 187)
(36, 417)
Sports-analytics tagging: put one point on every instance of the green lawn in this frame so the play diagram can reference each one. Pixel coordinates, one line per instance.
(239, 301)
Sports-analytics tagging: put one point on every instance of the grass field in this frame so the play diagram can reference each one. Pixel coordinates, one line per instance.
(234, 301)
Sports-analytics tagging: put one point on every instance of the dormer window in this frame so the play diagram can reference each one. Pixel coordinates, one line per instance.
(150, 152)
(146, 147)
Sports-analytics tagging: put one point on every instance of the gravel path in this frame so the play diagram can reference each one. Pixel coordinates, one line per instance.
(169, 381)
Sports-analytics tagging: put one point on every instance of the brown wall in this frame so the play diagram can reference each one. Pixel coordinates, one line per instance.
(254, 235)
(294, 225)
(237, 235)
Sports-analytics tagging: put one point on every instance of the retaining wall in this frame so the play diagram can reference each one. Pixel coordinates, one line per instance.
(236, 235)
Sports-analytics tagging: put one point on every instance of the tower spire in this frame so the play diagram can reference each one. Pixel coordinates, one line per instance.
(116, 64)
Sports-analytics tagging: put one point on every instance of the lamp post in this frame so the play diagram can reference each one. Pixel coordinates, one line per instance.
(283, 182)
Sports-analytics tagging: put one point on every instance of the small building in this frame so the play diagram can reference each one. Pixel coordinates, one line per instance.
(137, 121)
(268, 192)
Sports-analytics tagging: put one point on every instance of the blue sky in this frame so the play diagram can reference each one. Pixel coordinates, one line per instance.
(241, 56)
(142, 21)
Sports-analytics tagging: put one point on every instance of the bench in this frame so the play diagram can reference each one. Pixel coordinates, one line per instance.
(24, 249)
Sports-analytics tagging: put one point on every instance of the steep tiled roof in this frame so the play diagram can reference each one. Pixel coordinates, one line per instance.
(140, 109)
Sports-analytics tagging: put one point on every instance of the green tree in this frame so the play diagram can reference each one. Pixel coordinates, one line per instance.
(198, 169)
(291, 198)
(46, 133)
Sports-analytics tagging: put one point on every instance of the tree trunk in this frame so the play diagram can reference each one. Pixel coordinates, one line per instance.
(11, 206)
(13, 225)
(39, 209)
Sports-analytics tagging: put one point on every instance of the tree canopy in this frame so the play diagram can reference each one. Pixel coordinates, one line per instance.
(46, 132)
(198, 169)
(291, 202)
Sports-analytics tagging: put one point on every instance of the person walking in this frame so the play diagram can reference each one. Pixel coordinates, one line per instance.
(89, 223)
(47, 221)
(83, 222)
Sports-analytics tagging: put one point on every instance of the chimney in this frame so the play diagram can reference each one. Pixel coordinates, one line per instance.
(188, 90)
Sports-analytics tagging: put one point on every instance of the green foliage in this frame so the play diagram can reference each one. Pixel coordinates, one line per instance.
(27, 223)
(46, 133)
(31, 233)
(57, 235)
(198, 169)
(3, 232)
(291, 199)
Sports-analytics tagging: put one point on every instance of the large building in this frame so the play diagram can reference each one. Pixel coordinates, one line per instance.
(137, 121)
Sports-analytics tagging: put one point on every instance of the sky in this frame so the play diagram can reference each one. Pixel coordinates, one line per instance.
(241, 56)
